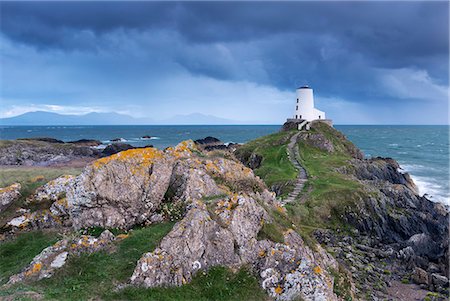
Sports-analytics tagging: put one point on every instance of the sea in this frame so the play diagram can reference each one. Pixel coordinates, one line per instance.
(421, 150)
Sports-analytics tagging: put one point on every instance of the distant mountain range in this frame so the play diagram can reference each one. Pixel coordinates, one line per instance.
(50, 118)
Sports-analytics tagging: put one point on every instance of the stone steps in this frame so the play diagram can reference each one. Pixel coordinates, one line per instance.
(302, 177)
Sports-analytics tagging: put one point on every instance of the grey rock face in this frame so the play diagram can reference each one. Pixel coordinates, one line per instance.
(8, 195)
(121, 190)
(229, 238)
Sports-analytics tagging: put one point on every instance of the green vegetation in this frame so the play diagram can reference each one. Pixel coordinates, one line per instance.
(16, 254)
(275, 168)
(218, 284)
(328, 192)
(96, 275)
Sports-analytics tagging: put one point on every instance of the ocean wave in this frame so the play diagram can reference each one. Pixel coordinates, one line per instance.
(433, 190)
(393, 144)
(412, 167)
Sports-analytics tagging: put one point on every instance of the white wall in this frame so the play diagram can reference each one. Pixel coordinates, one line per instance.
(305, 106)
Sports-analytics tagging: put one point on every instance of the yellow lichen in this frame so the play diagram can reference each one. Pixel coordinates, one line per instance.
(317, 270)
(262, 253)
(278, 290)
(143, 157)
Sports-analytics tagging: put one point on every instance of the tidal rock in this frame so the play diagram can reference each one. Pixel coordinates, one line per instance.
(116, 148)
(86, 142)
(208, 141)
(8, 195)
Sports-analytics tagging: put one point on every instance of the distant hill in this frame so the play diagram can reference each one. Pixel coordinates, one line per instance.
(50, 118)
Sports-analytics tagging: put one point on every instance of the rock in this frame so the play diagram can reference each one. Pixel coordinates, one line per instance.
(208, 141)
(54, 257)
(116, 148)
(317, 140)
(200, 241)
(118, 140)
(9, 195)
(146, 137)
(86, 142)
(420, 276)
(53, 190)
(439, 280)
(42, 153)
(43, 139)
(433, 268)
(122, 190)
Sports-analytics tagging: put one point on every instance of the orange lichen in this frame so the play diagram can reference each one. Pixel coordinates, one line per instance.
(317, 270)
(34, 269)
(262, 253)
(144, 157)
(278, 290)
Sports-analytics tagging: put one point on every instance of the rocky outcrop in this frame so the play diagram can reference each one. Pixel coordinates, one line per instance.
(8, 195)
(32, 152)
(226, 235)
(52, 191)
(55, 257)
(120, 191)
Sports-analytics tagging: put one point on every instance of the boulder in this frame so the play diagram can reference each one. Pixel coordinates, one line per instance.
(122, 190)
(8, 195)
(439, 280)
(116, 148)
(420, 276)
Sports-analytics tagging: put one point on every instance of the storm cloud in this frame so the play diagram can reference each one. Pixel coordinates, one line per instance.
(364, 59)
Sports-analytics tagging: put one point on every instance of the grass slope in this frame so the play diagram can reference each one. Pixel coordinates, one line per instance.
(275, 168)
(16, 254)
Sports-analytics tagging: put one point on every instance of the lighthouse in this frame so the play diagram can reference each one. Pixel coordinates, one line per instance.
(304, 109)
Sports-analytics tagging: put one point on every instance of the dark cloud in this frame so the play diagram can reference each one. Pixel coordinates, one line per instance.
(349, 49)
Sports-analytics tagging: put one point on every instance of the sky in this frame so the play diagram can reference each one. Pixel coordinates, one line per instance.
(368, 62)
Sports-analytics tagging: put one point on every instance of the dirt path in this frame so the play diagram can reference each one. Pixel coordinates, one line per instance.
(302, 176)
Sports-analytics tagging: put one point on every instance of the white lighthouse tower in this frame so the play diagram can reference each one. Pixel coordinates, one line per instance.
(304, 109)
